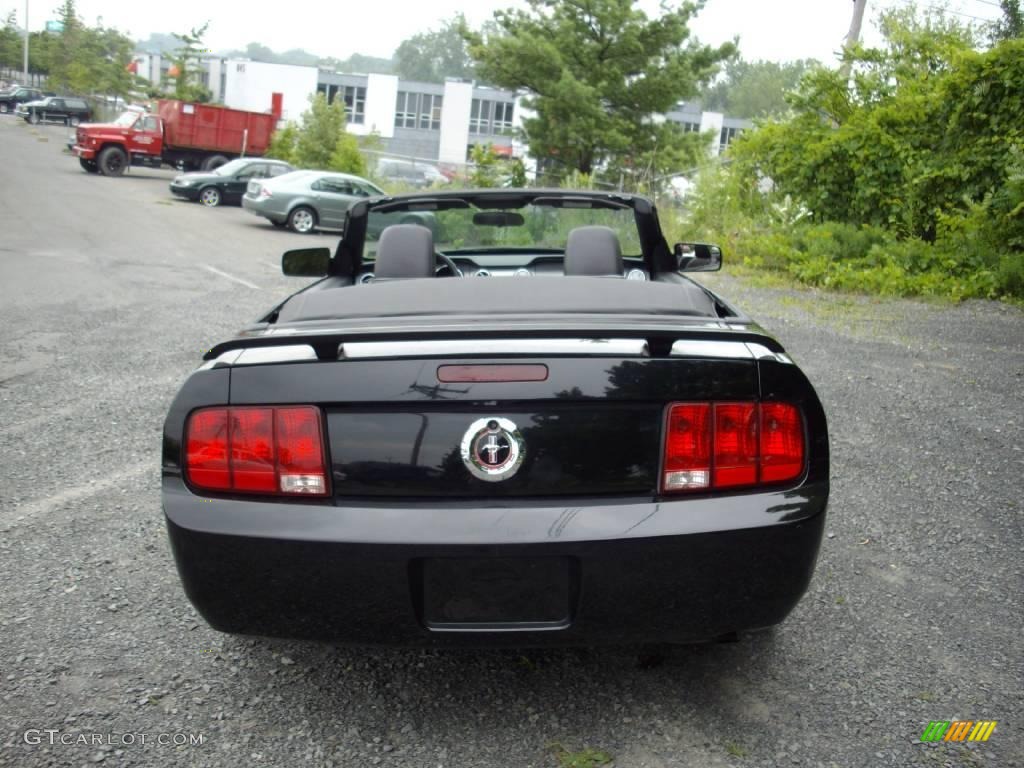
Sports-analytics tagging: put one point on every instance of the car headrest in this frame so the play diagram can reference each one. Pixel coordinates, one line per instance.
(593, 251)
(405, 250)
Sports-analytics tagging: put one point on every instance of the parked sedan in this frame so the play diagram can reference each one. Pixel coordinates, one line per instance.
(227, 184)
(62, 109)
(307, 200)
(10, 100)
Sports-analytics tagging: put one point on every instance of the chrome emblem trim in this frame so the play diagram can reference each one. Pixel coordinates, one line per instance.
(493, 449)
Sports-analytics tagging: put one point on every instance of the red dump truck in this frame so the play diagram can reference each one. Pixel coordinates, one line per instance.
(180, 134)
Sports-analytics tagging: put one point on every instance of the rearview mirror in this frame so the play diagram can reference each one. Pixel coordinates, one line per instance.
(697, 257)
(498, 219)
(306, 262)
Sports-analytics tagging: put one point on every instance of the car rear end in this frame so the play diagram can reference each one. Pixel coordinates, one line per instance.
(268, 197)
(367, 491)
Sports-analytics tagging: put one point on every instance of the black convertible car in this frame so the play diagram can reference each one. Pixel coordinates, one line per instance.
(522, 425)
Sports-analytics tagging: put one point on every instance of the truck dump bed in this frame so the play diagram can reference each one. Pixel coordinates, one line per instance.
(215, 128)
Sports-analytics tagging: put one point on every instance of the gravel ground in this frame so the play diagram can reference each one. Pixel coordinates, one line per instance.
(914, 613)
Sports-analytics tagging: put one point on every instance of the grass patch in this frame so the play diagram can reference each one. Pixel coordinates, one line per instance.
(840, 600)
(736, 750)
(585, 758)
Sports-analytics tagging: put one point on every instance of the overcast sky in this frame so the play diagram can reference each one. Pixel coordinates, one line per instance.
(780, 30)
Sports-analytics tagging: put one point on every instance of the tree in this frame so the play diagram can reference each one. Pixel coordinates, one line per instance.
(321, 126)
(432, 56)
(752, 89)
(282, 143)
(320, 140)
(595, 71)
(11, 42)
(187, 66)
(1012, 23)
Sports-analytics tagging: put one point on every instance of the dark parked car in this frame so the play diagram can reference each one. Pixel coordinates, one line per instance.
(227, 184)
(528, 426)
(10, 99)
(63, 109)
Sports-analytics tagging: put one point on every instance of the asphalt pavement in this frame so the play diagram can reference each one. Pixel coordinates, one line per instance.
(110, 291)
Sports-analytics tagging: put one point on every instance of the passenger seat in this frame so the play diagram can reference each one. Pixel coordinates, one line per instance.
(593, 251)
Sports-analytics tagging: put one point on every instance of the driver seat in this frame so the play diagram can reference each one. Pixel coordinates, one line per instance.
(404, 251)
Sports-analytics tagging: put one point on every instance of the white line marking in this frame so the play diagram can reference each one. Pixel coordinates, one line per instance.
(25, 512)
(216, 271)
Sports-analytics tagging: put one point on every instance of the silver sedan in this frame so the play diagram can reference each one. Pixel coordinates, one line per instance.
(307, 200)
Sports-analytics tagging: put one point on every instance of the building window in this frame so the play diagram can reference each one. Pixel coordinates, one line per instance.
(355, 103)
(479, 121)
(406, 109)
(418, 110)
(690, 127)
(490, 117)
(430, 111)
(502, 116)
(728, 134)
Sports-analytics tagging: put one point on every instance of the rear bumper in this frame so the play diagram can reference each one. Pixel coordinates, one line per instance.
(637, 571)
(260, 209)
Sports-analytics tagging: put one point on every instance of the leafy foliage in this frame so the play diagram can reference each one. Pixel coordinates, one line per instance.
(10, 42)
(79, 59)
(186, 66)
(595, 72)
(911, 178)
(1011, 25)
(320, 140)
(751, 89)
(432, 56)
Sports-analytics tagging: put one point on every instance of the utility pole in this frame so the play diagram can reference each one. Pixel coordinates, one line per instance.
(853, 36)
(26, 83)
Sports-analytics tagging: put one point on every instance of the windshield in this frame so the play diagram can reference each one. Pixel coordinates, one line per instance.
(231, 168)
(127, 119)
(531, 228)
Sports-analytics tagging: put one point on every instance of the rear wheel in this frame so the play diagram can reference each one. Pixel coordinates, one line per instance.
(4, 109)
(73, 121)
(302, 220)
(89, 166)
(213, 162)
(210, 197)
(113, 161)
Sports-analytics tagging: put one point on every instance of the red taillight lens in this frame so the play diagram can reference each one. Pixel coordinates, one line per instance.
(300, 454)
(782, 442)
(264, 193)
(709, 446)
(257, 450)
(735, 445)
(688, 447)
(207, 448)
(252, 449)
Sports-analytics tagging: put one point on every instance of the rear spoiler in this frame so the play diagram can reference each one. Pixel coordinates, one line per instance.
(332, 345)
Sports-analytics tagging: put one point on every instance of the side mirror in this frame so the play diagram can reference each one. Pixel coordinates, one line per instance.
(306, 262)
(697, 257)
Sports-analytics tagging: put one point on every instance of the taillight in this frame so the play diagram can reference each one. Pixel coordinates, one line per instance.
(264, 193)
(710, 446)
(267, 450)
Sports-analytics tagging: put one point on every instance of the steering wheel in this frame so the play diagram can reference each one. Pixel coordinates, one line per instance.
(446, 263)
